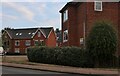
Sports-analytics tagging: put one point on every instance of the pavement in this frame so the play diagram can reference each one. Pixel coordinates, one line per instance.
(11, 70)
(64, 69)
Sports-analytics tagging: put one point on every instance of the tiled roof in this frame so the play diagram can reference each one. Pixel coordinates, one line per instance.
(27, 33)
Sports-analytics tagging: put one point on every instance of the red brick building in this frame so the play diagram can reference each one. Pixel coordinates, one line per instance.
(78, 18)
(17, 40)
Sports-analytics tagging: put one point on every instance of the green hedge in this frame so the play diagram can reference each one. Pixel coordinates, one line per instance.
(70, 56)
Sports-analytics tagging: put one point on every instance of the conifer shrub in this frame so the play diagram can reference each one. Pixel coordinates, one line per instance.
(101, 44)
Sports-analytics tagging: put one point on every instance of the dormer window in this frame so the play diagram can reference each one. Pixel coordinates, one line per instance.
(65, 15)
(16, 33)
(20, 34)
(98, 6)
(33, 33)
(29, 33)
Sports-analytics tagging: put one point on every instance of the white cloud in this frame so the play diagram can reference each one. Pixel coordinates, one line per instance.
(5, 16)
(27, 13)
(35, 0)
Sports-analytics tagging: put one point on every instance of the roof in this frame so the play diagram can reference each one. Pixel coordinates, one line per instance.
(27, 33)
(69, 4)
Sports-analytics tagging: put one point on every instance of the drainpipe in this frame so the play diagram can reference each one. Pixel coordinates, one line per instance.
(84, 24)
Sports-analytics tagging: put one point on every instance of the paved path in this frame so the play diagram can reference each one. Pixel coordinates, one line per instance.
(10, 71)
(64, 69)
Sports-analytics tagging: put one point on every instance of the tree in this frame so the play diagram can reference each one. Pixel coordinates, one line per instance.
(101, 44)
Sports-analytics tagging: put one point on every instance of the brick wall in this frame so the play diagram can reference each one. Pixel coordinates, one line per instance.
(51, 41)
(109, 14)
(84, 14)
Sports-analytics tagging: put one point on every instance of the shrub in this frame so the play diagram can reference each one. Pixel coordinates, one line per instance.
(101, 44)
(71, 56)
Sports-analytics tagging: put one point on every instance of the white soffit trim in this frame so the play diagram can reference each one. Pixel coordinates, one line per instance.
(7, 33)
(37, 31)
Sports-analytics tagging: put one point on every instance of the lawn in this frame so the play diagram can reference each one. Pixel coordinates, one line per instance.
(15, 59)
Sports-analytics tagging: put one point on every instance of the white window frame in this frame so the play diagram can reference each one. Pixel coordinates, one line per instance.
(35, 41)
(16, 43)
(95, 6)
(41, 41)
(65, 15)
(81, 41)
(17, 50)
(28, 42)
(64, 39)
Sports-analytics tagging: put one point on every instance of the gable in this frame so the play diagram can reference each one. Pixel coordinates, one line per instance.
(44, 31)
(28, 33)
(35, 36)
(6, 34)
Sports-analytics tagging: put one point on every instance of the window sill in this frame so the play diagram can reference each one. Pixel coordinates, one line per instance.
(65, 20)
(65, 41)
(98, 10)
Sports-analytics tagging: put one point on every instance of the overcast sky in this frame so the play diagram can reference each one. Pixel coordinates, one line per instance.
(30, 14)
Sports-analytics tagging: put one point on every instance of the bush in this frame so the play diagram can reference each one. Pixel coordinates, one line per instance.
(71, 56)
(101, 44)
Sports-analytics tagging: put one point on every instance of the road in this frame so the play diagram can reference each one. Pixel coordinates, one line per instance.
(10, 71)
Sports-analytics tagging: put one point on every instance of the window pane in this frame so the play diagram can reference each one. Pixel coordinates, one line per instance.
(28, 43)
(17, 43)
(17, 50)
(65, 15)
(98, 5)
(65, 35)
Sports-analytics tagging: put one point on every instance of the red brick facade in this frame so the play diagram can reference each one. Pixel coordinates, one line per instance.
(81, 17)
(49, 41)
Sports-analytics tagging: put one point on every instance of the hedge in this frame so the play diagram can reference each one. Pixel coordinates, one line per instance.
(70, 56)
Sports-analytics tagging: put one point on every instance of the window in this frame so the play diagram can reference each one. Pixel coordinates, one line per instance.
(36, 42)
(33, 33)
(81, 40)
(39, 34)
(29, 33)
(65, 15)
(42, 43)
(17, 50)
(28, 43)
(98, 6)
(65, 36)
(7, 42)
(20, 33)
(17, 43)
(16, 33)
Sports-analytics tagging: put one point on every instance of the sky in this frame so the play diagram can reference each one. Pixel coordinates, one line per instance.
(30, 14)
